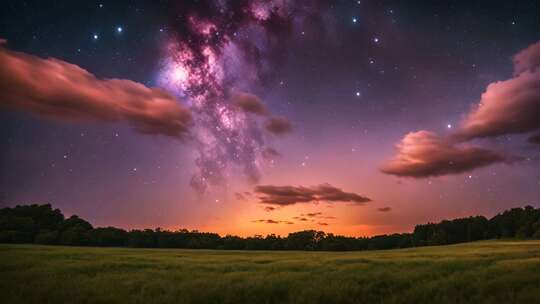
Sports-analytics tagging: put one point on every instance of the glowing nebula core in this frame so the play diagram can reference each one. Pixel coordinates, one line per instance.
(224, 135)
(211, 54)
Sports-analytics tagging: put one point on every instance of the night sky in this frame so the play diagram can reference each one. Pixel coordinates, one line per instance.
(253, 117)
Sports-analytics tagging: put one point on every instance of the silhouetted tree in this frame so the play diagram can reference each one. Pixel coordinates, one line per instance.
(47, 237)
(108, 236)
(141, 238)
(44, 225)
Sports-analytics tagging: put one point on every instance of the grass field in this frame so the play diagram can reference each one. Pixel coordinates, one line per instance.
(481, 272)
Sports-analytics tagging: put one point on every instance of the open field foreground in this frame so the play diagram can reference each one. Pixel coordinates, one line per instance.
(481, 272)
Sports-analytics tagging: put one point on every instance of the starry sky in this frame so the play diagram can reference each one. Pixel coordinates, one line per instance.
(253, 117)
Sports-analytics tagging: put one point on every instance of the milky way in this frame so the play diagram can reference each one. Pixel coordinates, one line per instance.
(217, 48)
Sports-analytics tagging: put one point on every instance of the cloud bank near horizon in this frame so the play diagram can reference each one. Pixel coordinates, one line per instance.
(290, 195)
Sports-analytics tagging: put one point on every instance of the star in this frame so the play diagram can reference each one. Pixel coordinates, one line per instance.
(376, 39)
(119, 29)
(95, 36)
(358, 94)
(449, 126)
(354, 20)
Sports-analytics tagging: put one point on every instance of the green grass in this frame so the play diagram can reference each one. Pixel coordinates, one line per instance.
(481, 272)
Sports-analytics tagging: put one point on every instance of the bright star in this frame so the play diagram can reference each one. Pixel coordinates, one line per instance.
(119, 29)
(376, 40)
(449, 126)
(358, 94)
(354, 20)
(95, 36)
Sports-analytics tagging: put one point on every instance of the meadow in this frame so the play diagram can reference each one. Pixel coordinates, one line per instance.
(478, 272)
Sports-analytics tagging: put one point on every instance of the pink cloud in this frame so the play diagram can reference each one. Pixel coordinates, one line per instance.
(509, 106)
(424, 154)
(60, 90)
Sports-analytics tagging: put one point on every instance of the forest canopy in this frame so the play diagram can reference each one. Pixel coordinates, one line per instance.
(42, 224)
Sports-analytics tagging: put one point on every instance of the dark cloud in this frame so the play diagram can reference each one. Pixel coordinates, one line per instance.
(318, 215)
(249, 103)
(424, 154)
(509, 106)
(269, 208)
(267, 221)
(323, 224)
(384, 209)
(278, 125)
(290, 195)
(299, 218)
(284, 195)
(535, 139)
(239, 196)
(60, 90)
(270, 153)
(271, 221)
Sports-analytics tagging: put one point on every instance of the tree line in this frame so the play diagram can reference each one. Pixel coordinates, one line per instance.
(41, 224)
